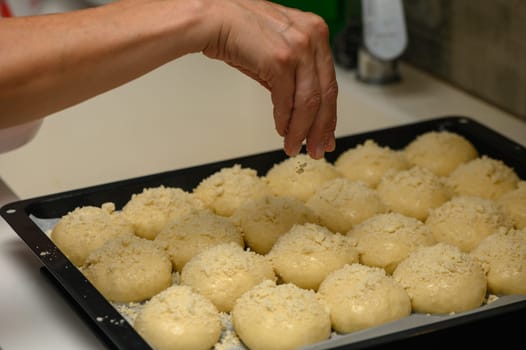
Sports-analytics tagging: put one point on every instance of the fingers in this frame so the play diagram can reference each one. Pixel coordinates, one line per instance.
(313, 115)
(287, 51)
(321, 135)
(307, 102)
(283, 101)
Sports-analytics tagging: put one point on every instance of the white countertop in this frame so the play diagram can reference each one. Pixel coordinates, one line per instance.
(188, 112)
(196, 110)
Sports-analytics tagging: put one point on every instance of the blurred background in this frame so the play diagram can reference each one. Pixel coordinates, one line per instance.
(478, 46)
(397, 61)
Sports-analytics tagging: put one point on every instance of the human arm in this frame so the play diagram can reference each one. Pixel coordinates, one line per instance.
(54, 61)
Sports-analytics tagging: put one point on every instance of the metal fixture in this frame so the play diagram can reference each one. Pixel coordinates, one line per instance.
(384, 41)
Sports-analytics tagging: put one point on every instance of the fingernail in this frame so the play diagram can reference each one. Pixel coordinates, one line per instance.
(330, 143)
(319, 152)
(294, 151)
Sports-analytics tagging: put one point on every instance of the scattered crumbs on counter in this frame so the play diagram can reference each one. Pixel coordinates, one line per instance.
(491, 298)
(226, 321)
(175, 277)
(229, 340)
(128, 310)
(113, 321)
(117, 322)
(44, 253)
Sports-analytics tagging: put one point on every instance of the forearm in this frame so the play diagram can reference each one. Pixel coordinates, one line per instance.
(52, 62)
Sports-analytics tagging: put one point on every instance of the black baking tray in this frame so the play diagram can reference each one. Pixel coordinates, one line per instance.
(115, 332)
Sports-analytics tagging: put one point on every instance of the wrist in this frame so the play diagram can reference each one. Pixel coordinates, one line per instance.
(179, 27)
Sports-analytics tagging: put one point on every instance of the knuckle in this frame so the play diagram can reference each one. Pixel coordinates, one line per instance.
(326, 126)
(330, 126)
(284, 56)
(320, 26)
(313, 101)
(316, 24)
(331, 92)
(302, 41)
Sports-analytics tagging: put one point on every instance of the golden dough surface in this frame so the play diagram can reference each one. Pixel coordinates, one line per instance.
(87, 228)
(483, 177)
(179, 319)
(413, 192)
(150, 210)
(224, 272)
(368, 162)
(262, 221)
(308, 253)
(129, 269)
(360, 297)
(227, 189)
(503, 256)
(299, 177)
(190, 234)
(342, 203)
(441, 279)
(283, 316)
(384, 240)
(514, 205)
(466, 220)
(440, 151)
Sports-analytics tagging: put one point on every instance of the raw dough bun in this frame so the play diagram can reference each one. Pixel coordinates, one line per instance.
(413, 192)
(464, 221)
(385, 240)
(360, 297)
(284, 317)
(484, 177)
(224, 272)
(440, 151)
(225, 190)
(299, 177)
(262, 221)
(441, 279)
(129, 269)
(179, 319)
(342, 203)
(150, 210)
(308, 253)
(368, 162)
(185, 237)
(503, 257)
(514, 205)
(87, 228)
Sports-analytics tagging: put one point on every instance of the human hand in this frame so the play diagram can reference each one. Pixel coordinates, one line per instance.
(287, 51)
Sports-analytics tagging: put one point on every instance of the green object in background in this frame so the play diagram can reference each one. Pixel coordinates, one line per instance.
(334, 12)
